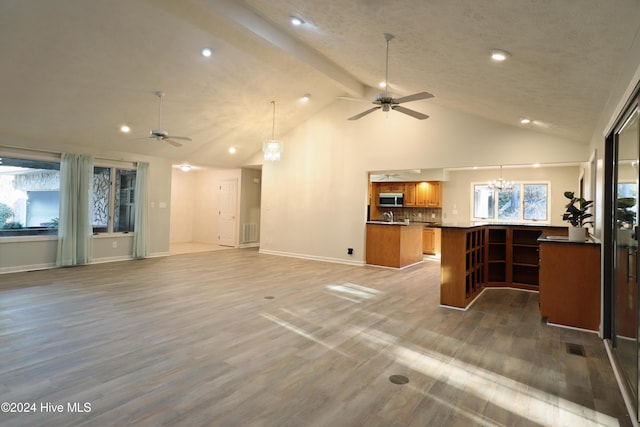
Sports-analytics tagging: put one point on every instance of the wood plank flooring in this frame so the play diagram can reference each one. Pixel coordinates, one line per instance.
(238, 338)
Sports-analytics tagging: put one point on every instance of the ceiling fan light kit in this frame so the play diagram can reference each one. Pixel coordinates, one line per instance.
(386, 102)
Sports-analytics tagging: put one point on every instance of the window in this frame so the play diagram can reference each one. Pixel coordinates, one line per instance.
(527, 202)
(113, 199)
(29, 196)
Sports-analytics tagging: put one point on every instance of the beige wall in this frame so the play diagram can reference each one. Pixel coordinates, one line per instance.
(314, 199)
(457, 190)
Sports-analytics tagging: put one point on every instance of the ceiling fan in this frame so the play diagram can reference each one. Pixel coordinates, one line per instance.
(386, 102)
(161, 134)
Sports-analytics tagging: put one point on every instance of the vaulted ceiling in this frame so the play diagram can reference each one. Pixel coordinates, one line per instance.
(73, 71)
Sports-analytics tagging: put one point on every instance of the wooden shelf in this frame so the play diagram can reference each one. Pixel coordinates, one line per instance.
(495, 256)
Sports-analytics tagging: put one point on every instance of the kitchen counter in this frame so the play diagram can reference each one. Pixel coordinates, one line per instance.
(394, 244)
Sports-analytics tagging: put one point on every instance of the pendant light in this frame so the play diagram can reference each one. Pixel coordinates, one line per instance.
(501, 184)
(272, 148)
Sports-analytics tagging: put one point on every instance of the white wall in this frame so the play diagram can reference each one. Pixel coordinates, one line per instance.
(183, 186)
(314, 199)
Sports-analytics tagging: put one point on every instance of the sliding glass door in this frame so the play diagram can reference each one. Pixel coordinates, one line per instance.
(624, 298)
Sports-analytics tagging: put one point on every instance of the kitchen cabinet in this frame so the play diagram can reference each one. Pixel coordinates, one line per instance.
(410, 194)
(433, 196)
(570, 283)
(431, 241)
(394, 244)
(391, 187)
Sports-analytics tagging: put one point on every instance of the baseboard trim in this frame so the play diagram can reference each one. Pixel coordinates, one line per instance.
(311, 257)
(23, 268)
(249, 245)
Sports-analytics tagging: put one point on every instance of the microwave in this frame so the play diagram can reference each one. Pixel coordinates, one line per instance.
(391, 200)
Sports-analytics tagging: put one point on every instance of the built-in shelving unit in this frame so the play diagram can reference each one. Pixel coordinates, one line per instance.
(475, 264)
(493, 256)
(497, 265)
(525, 261)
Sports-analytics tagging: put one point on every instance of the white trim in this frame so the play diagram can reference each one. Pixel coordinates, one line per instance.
(23, 268)
(311, 257)
(111, 259)
(157, 255)
(30, 238)
(574, 328)
(482, 292)
(628, 399)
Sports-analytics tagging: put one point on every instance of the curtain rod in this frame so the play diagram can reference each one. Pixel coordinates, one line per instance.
(43, 151)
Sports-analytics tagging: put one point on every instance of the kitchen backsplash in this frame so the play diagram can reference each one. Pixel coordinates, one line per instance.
(415, 214)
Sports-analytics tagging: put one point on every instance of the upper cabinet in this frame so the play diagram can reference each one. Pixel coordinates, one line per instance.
(391, 187)
(426, 194)
(434, 194)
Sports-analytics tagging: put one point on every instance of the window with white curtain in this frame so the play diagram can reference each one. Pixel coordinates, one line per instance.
(526, 202)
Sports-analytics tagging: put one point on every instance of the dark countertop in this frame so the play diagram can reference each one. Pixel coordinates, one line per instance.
(471, 224)
(591, 240)
(401, 223)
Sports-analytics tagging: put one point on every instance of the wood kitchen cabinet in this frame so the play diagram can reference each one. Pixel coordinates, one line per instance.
(431, 241)
(391, 187)
(433, 194)
(570, 283)
(410, 194)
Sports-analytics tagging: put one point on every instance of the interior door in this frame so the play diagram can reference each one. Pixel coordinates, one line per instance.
(227, 213)
(625, 298)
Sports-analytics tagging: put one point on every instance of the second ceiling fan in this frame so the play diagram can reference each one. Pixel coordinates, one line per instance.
(385, 102)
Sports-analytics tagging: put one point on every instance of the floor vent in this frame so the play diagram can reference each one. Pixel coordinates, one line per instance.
(575, 349)
(399, 379)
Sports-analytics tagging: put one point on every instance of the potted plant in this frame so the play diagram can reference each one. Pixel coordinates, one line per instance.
(577, 216)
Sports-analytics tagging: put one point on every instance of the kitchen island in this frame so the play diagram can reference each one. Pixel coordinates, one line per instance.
(394, 244)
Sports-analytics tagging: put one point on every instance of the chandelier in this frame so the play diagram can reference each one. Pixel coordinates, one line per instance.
(501, 184)
(272, 148)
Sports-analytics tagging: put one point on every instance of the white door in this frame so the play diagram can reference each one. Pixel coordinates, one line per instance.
(227, 213)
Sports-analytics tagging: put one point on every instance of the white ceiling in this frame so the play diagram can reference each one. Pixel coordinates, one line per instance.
(73, 71)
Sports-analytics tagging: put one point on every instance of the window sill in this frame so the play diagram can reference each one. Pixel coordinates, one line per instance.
(28, 238)
(112, 235)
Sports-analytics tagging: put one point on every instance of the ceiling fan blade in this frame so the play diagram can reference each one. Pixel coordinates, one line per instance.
(414, 97)
(172, 142)
(183, 138)
(409, 112)
(364, 113)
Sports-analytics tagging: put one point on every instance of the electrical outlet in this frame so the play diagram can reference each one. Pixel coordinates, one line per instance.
(349, 251)
(114, 244)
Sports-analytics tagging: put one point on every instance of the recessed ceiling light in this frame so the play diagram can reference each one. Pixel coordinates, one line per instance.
(296, 21)
(536, 165)
(125, 129)
(306, 97)
(206, 52)
(525, 121)
(499, 55)
(382, 84)
(185, 168)
(232, 150)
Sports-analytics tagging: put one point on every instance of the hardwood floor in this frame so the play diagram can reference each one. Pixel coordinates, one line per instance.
(238, 338)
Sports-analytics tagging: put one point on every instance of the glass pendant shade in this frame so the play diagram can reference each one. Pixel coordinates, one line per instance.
(272, 148)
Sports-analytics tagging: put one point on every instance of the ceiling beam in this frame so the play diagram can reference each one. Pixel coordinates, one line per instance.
(292, 46)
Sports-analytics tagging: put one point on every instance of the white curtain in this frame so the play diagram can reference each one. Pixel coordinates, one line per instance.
(74, 226)
(141, 222)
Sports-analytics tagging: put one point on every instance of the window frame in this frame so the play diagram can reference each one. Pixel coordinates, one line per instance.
(520, 220)
(31, 232)
(113, 188)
